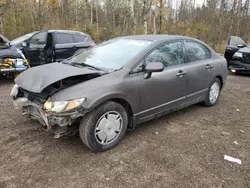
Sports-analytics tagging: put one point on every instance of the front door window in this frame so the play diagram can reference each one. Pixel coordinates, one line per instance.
(38, 40)
(169, 54)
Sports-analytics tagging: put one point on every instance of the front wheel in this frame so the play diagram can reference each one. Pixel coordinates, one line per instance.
(104, 127)
(213, 93)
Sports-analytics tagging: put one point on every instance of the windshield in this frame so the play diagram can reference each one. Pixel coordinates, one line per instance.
(22, 38)
(110, 55)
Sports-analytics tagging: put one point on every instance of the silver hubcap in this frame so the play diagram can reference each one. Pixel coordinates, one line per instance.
(214, 92)
(108, 127)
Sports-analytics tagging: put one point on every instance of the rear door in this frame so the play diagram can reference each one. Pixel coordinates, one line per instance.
(233, 45)
(200, 70)
(64, 46)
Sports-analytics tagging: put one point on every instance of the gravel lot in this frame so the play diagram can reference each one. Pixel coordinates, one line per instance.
(182, 149)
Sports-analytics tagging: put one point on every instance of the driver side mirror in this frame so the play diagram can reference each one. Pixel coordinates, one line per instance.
(241, 46)
(153, 67)
(24, 44)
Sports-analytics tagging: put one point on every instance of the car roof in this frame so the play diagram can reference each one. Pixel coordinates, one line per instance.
(157, 37)
(67, 31)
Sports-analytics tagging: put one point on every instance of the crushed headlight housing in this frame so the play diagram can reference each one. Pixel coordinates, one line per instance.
(62, 106)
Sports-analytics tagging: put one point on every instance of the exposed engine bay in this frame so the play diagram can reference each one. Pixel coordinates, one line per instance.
(40, 98)
(33, 105)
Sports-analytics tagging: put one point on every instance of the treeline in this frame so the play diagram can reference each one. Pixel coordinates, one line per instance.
(212, 22)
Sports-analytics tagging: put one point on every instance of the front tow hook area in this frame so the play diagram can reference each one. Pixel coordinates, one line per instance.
(65, 130)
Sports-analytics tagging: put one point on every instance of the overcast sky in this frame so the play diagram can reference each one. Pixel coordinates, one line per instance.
(199, 2)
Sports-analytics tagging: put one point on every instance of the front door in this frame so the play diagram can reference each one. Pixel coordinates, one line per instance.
(233, 45)
(35, 47)
(200, 70)
(165, 90)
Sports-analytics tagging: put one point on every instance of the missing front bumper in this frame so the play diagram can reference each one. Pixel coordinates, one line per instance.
(61, 125)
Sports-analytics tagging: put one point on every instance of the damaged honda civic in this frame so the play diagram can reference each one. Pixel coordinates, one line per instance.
(118, 84)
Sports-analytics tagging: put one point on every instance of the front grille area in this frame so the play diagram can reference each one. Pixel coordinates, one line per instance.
(246, 58)
(31, 96)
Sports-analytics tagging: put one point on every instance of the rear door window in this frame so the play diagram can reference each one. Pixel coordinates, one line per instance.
(63, 38)
(235, 41)
(80, 38)
(196, 51)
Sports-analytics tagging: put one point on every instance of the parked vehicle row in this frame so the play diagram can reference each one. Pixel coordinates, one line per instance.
(110, 88)
(52, 45)
(41, 47)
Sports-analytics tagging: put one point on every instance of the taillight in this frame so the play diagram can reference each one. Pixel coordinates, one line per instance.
(91, 44)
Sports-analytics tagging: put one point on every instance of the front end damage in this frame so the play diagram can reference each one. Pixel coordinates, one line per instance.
(35, 87)
(61, 124)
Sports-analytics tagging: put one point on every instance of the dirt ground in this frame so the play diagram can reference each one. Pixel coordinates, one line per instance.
(183, 149)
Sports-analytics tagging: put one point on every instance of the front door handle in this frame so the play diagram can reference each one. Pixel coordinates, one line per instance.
(180, 73)
(209, 66)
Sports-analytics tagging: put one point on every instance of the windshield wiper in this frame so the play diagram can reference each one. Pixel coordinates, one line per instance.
(84, 65)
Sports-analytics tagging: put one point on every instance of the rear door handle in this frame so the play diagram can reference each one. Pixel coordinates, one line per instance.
(209, 66)
(180, 73)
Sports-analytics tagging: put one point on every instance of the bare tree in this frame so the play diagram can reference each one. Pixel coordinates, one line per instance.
(146, 6)
(232, 17)
(132, 4)
(154, 14)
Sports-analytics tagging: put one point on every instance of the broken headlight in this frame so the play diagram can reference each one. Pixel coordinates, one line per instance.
(62, 106)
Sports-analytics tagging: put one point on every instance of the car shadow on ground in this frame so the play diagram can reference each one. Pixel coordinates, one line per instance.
(239, 75)
(152, 126)
(164, 118)
(75, 143)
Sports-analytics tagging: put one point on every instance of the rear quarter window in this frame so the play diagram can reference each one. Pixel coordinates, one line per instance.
(196, 51)
(80, 38)
(63, 38)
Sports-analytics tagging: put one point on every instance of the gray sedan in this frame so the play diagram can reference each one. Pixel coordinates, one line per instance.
(114, 86)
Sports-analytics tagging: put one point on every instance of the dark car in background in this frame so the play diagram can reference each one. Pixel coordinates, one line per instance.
(118, 84)
(41, 47)
(237, 54)
(12, 60)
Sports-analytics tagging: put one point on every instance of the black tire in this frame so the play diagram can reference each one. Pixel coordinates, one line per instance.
(89, 122)
(207, 101)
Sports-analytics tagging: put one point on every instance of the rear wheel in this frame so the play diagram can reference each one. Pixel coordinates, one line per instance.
(104, 127)
(213, 93)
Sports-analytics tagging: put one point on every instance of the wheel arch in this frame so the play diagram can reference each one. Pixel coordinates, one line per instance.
(221, 80)
(122, 101)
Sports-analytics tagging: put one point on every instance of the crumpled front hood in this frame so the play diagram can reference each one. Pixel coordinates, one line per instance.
(38, 78)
